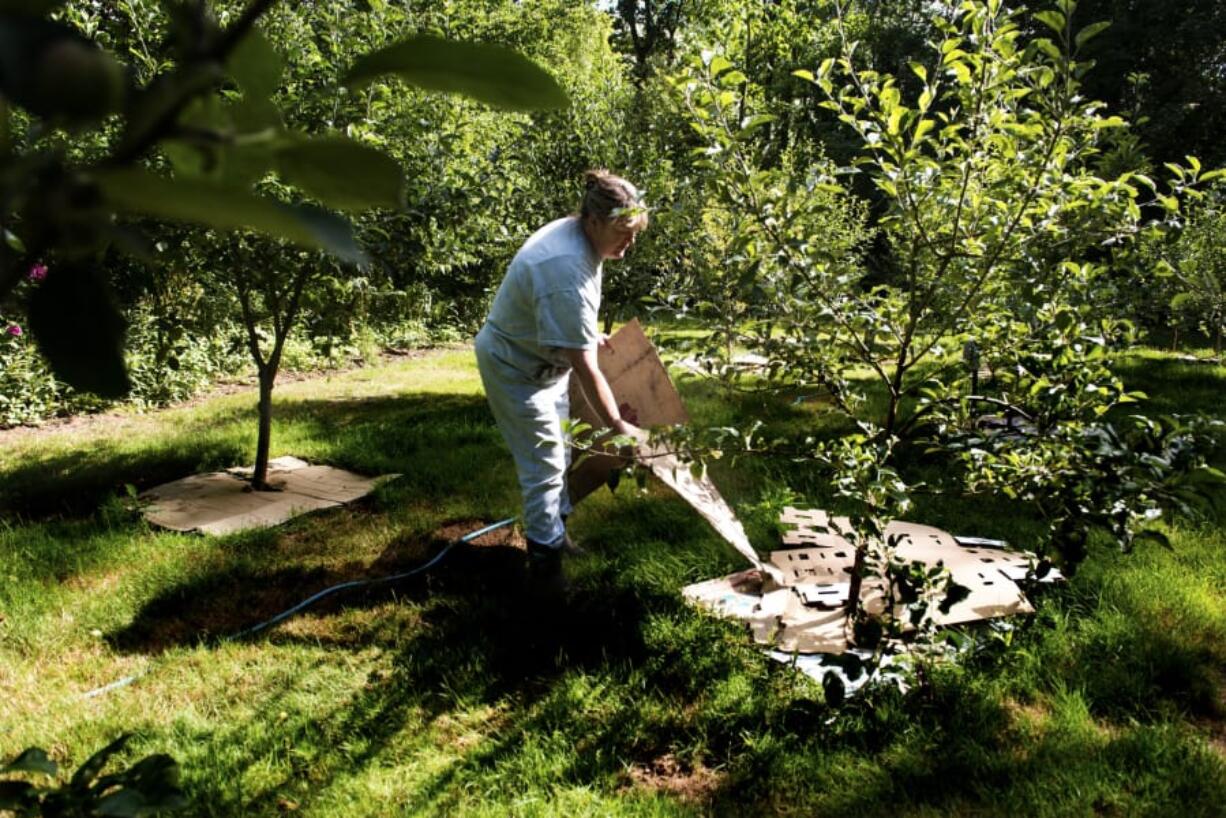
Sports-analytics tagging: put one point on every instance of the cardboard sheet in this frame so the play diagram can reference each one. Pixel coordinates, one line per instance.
(803, 610)
(644, 393)
(222, 503)
(704, 497)
(647, 398)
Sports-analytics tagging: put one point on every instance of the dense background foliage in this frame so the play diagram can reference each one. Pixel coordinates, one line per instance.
(480, 180)
(912, 252)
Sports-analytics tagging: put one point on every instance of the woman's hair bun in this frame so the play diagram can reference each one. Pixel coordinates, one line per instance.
(604, 192)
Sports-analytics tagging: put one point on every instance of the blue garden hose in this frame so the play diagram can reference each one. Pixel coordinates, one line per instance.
(281, 617)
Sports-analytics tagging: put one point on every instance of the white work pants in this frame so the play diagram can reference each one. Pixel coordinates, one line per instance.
(529, 415)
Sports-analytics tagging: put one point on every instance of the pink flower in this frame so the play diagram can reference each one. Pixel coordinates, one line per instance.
(14, 330)
(38, 272)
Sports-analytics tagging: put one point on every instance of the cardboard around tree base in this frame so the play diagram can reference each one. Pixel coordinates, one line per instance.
(223, 502)
(796, 600)
(803, 610)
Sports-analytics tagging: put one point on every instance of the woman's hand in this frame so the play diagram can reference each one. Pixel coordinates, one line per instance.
(625, 427)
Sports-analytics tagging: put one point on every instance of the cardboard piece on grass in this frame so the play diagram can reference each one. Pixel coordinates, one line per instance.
(805, 613)
(221, 503)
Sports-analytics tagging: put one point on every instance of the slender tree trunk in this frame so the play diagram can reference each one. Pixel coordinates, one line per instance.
(1175, 340)
(259, 477)
(284, 318)
(857, 579)
(894, 385)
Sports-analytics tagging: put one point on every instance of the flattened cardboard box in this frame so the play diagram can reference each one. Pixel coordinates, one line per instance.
(644, 393)
(807, 613)
(222, 502)
(795, 601)
(646, 397)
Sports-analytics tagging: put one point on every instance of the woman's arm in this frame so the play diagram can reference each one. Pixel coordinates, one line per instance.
(598, 392)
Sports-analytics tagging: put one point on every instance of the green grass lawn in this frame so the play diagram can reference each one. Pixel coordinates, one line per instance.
(469, 691)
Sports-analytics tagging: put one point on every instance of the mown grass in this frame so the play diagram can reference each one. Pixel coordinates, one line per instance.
(472, 691)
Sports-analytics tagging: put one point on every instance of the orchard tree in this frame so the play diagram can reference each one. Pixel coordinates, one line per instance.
(990, 205)
(209, 109)
(1193, 263)
(1000, 238)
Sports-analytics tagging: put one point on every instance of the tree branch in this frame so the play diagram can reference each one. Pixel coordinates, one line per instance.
(131, 150)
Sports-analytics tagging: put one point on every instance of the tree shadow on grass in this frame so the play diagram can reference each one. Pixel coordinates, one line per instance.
(484, 631)
(77, 483)
(222, 604)
(958, 750)
(489, 630)
(1172, 386)
(409, 433)
(580, 669)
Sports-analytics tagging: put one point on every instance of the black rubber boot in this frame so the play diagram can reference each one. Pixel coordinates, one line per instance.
(566, 548)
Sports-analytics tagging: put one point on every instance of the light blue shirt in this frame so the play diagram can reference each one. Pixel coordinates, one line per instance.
(548, 300)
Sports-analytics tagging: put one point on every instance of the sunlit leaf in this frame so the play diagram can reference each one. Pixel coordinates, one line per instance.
(342, 173)
(136, 191)
(1052, 19)
(489, 73)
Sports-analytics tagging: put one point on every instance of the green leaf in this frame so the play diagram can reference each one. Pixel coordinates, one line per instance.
(51, 70)
(256, 66)
(1052, 19)
(79, 330)
(1049, 48)
(14, 241)
(804, 75)
(1091, 31)
(137, 191)
(894, 123)
(733, 79)
(342, 173)
(920, 71)
(489, 73)
(31, 760)
(752, 123)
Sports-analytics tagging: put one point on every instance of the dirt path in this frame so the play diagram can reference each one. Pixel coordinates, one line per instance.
(123, 414)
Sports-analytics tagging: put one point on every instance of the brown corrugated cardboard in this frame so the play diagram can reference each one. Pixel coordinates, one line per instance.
(222, 502)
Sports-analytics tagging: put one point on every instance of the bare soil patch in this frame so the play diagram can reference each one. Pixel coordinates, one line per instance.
(508, 536)
(695, 785)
